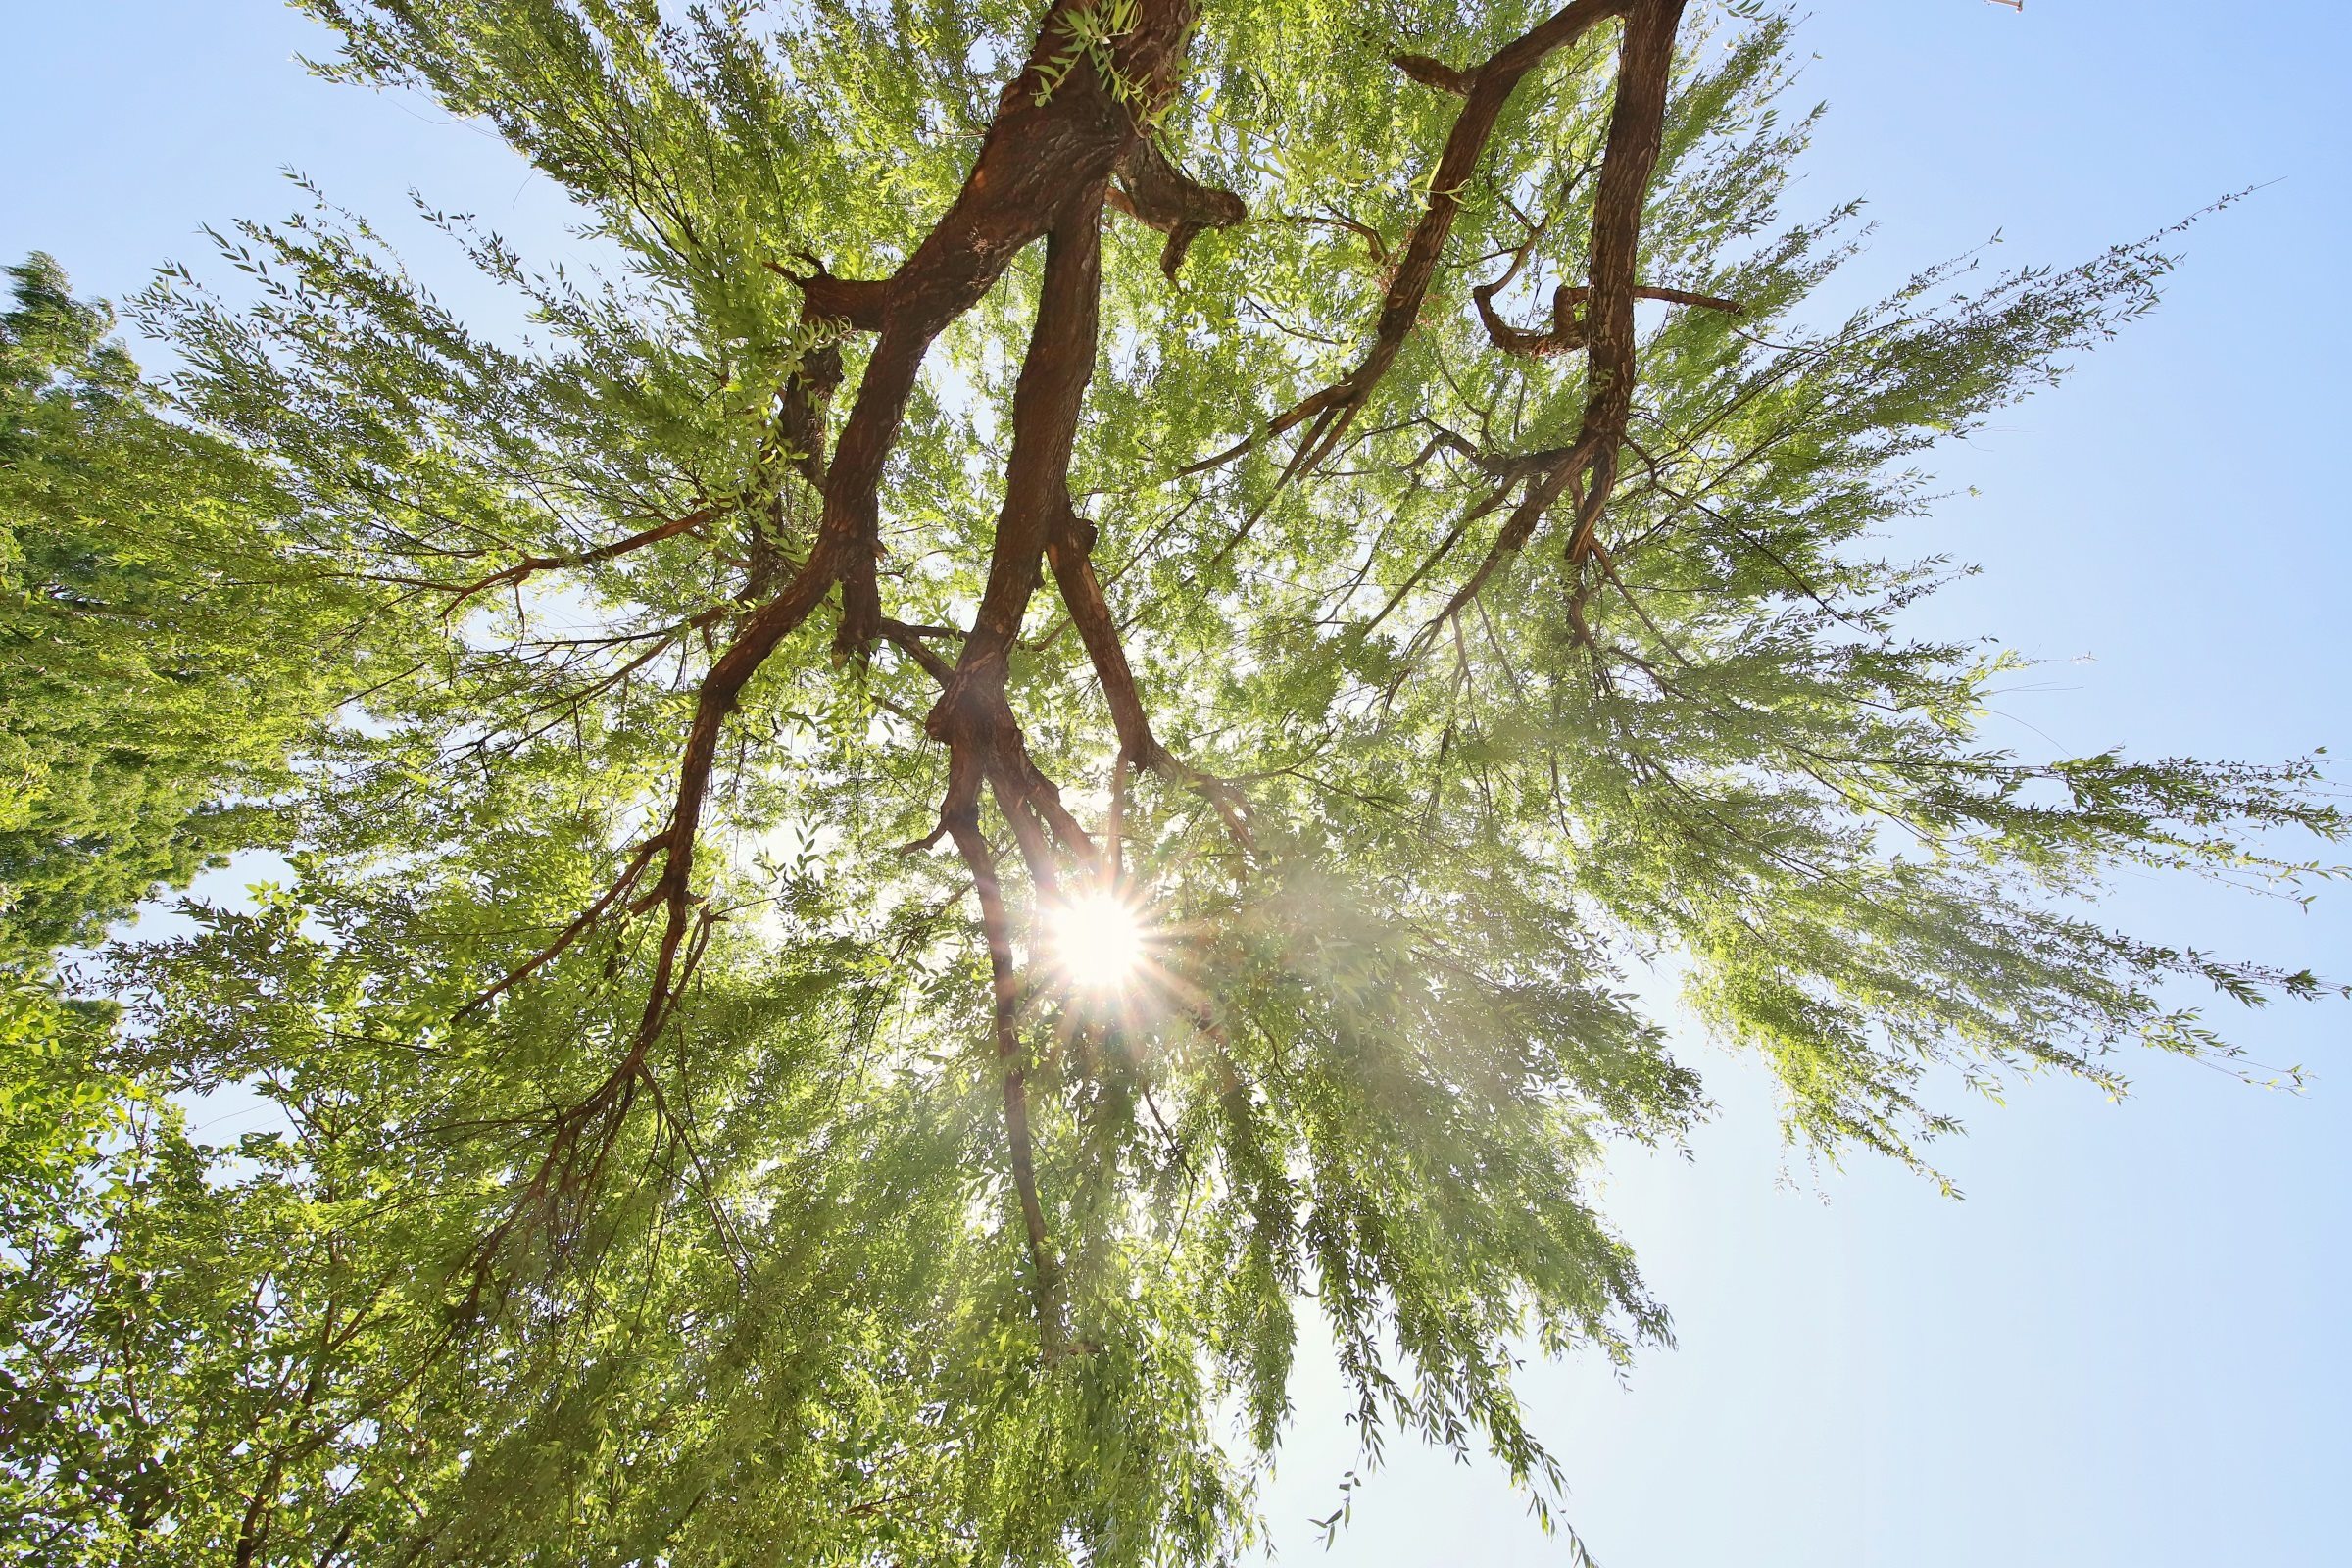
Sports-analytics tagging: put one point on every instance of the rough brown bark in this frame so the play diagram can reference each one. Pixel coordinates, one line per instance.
(1637, 132)
(1049, 148)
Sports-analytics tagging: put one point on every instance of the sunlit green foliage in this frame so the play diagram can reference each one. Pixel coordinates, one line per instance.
(769, 1299)
(155, 659)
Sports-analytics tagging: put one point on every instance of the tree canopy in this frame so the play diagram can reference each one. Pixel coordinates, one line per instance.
(1048, 721)
(153, 668)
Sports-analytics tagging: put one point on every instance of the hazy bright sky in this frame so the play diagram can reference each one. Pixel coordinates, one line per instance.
(2130, 1344)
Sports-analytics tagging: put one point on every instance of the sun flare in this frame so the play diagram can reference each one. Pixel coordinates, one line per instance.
(1097, 940)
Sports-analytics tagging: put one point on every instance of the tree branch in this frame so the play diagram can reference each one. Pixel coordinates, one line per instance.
(1056, 137)
(1436, 74)
(531, 566)
(1567, 326)
(1488, 88)
(1637, 132)
(1157, 194)
(858, 304)
(961, 817)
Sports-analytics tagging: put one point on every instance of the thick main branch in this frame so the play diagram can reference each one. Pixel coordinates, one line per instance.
(1054, 141)
(1056, 137)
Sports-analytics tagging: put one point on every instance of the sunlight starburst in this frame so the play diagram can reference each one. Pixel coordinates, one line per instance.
(1096, 938)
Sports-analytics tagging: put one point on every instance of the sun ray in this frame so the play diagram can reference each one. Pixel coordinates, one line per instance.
(1097, 940)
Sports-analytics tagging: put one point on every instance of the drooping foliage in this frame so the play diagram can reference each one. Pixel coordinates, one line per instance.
(1359, 504)
(154, 672)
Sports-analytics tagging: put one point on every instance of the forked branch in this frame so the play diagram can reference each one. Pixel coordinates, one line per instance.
(1568, 332)
(1637, 132)
(1485, 91)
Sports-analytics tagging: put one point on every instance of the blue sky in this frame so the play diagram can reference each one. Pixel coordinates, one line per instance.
(2127, 1344)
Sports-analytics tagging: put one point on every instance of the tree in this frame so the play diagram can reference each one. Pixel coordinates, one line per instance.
(163, 648)
(1043, 726)
(151, 685)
